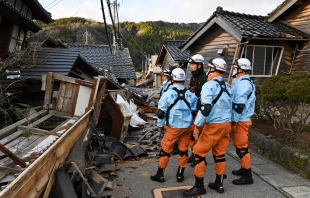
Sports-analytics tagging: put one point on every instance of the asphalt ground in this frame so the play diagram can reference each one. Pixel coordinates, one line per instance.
(270, 179)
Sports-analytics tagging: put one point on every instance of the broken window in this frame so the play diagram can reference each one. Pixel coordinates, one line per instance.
(264, 59)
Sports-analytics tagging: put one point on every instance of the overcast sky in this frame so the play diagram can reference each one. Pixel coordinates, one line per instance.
(153, 10)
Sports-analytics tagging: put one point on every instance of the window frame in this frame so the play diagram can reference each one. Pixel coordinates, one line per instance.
(275, 62)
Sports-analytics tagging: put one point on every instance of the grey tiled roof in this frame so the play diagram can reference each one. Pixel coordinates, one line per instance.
(253, 26)
(120, 63)
(256, 26)
(174, 50)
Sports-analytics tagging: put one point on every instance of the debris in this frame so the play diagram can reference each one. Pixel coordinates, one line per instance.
(85, 180)
(97, 182)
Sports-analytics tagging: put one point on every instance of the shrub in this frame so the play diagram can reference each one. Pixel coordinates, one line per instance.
(290, 96)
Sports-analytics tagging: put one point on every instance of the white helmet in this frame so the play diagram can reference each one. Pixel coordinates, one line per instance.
(218, 64)
(196, 59)
(178, 74)
(165, 72)
(243, 64)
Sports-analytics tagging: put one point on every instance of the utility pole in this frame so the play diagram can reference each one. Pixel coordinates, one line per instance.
(86, 34)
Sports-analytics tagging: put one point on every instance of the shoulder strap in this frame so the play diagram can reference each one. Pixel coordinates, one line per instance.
(223, 89)
(251, 85)
(167, 87)
(181, 96)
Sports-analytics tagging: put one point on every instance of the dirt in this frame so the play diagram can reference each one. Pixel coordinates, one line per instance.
(300, 140)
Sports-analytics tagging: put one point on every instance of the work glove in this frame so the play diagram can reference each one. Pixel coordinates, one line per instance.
(196, 132)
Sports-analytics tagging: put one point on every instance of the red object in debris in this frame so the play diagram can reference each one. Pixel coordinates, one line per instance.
(11, 155)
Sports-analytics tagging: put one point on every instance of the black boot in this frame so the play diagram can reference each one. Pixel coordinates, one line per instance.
(197, 189)
(180, 176)
(245, 179)
(238, 172)
(159, 177)
(218, 184)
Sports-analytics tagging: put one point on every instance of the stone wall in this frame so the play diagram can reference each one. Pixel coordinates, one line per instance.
(293, 159)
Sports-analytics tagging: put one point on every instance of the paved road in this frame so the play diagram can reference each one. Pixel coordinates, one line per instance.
(270, 179)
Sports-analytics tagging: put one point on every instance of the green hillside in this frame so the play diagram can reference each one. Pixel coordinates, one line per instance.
(138, 37)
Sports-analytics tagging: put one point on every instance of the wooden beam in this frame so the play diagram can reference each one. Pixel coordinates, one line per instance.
(73, 80)
(278, 11)
(48, 90)
(32, 181)
(234, 33)
(37, 131)
(50, 181)
(43, 82)
(13, 127)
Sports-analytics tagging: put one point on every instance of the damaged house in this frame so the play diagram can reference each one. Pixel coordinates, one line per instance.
(274, 44)
(17, 21)
(119, 62)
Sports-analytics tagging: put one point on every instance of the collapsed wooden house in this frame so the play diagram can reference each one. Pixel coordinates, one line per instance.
(43, 140)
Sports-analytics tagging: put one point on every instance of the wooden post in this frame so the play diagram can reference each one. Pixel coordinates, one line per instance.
(48, 90)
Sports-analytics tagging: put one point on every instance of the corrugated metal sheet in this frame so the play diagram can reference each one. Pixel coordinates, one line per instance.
(43, 60)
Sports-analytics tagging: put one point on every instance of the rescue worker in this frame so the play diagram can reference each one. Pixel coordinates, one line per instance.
(243, 101)
(214, 123)
(196, 82)
(175, 109)
(165, 78)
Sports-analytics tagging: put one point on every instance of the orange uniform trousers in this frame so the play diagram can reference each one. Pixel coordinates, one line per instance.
(240, 140)
(213, 136)
(192, 142)
(167, 143)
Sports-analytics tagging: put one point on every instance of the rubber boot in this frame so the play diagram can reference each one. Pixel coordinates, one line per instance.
(180, 176)
(159, 176)
(197, 189)
(238, 172)
(245, 179)
(218, 184)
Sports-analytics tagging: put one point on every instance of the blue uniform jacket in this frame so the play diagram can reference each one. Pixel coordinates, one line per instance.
(240, 93)
(164, 87)
(221, 110)
(180, 116)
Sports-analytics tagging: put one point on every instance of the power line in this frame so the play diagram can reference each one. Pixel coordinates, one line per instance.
(50, 4)
(105, 25)
(53, 5)
(87, 9)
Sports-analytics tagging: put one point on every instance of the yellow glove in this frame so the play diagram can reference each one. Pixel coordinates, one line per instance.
(196, 133)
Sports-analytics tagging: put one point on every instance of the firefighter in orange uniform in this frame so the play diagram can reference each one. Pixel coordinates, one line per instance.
(243, 98)
(214, 121)
(175, 109)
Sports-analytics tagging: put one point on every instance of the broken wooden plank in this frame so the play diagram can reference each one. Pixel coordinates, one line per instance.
(15, 158)
(73, 80)
(82, 176)
(13, 127)
(50, 181)
(10, 137)
(43, 79)
(29, 182)
(37, 131)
